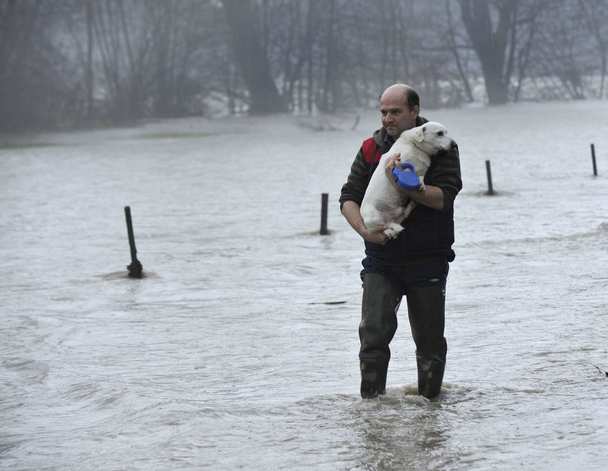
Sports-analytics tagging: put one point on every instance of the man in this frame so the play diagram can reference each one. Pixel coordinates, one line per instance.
(415, 264)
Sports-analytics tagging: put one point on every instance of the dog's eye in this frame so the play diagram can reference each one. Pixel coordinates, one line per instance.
(440, 133)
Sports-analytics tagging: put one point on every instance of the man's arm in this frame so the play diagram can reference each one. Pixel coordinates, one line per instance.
(352, 213)
(445, 175)
(351, 198)
(431, 196)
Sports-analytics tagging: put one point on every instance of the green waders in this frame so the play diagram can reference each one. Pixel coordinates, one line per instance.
(423, 284)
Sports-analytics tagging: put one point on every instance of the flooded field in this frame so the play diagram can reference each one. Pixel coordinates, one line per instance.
(239, 349)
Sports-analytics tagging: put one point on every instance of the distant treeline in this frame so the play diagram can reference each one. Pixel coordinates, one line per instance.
(66, 63)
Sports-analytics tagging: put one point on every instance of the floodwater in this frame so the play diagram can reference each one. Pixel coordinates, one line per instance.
(239, 350)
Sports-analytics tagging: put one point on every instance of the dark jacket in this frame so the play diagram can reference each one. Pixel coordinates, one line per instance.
(428, 232)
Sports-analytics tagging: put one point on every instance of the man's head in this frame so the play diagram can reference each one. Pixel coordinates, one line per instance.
(399, 107)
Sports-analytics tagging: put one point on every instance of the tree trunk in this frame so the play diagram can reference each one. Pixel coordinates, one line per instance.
(329, 97)
(89, 63)
(524, 53)
(468, 91)
(18, 25)
(594, 17)
(490, 44)
(250, 57)
(311, 21)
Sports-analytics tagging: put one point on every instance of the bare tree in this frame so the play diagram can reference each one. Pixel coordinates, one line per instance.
(455, 47)
(526, 26)
(130, 59)
(596, 17)
(89, 80)
(330, 87)
(251, 59)
(490, 39)
(36, 78)
(561, 52)
(123, 35)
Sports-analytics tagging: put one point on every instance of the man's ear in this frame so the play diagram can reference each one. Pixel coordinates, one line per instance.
(419, 135)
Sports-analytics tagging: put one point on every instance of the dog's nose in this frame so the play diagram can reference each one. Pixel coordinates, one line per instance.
(453, 145)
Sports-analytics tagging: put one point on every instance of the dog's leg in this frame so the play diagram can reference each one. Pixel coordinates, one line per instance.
(392, 230)
(409, 208)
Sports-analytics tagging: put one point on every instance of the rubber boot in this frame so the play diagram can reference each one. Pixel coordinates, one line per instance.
(381, 298)
(430, 376)
(426, 310)
(373, 378)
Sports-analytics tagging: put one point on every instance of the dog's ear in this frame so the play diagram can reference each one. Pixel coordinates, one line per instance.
(419, 135)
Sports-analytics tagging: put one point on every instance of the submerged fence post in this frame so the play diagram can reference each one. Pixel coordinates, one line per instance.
(593, 160)
(324, 200)
(135, 268)
(489, 175)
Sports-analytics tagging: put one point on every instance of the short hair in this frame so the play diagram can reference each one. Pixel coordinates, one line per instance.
(412, 98)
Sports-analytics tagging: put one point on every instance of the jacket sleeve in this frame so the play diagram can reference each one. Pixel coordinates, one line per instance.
(444, 173)
(358, 179)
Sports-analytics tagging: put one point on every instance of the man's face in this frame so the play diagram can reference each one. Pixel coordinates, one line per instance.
(397, 116)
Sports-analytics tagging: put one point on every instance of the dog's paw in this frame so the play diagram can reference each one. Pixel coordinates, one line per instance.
(392, 230)
(390, 233)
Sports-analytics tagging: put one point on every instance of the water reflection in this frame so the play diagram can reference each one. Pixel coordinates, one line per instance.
(402, 431)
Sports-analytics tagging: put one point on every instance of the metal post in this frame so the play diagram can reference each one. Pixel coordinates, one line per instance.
(593, 160)
(489, 174)
(135, 268)
(324, 200)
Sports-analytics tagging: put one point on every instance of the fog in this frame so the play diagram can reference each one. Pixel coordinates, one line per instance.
(70, 63)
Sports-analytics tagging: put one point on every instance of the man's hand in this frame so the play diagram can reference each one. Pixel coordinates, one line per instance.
(352, 213)
(428, 195)
(375, 237)
(392, 162)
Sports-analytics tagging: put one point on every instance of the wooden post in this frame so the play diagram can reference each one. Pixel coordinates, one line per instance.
(489, 175)
(593, 160)
(135, 268)
(324, 200)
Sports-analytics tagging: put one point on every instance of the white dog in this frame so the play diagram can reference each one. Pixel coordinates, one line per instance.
(383, 205)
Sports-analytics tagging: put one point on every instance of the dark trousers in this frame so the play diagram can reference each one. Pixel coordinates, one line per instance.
(423, 283)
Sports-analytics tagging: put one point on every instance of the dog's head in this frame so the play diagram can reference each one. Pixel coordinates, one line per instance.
(431, 137)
